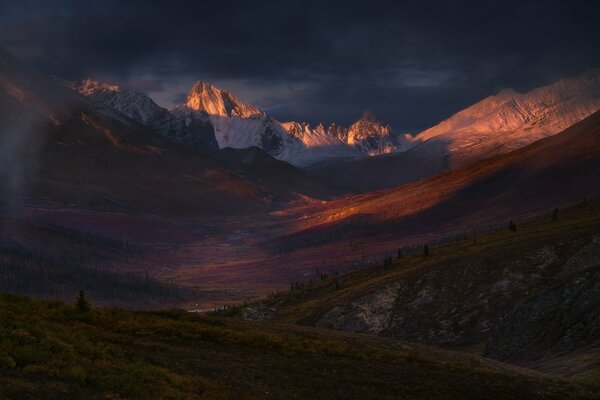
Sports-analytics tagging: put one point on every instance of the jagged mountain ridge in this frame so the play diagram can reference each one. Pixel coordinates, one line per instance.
(241, 125)
(195, 133)
(238, 124)
(367, 135)
(497, 124)
(59, 148)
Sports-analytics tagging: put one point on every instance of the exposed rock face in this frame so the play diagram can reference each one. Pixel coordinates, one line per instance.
(236, 124)
(471, 301)
(367, 136)
(557, 320)
(214, 101)
(371, 137)
(588, 256)
(370, 314)
(257, 312)
(551, 323)
(192, 130)
(497, 124)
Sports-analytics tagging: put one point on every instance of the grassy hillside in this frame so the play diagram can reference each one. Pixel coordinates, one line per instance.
(467, 292)
(50, 350)
(305, 305)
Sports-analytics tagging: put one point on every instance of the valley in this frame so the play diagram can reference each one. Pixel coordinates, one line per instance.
(174, 229)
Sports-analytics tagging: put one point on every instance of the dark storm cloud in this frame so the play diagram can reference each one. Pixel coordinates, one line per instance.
(414, 63)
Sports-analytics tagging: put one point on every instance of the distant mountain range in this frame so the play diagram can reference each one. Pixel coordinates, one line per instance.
(240, 125)
(109, 141)
(560, 169)
(59, 148)
(497, 124)
(360, 156)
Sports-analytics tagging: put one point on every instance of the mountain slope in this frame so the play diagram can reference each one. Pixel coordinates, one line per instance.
(58, 148)
(194, 133)
(510, 120)
(529, 297)
(383, 171)
(495, 125)
(560, 169)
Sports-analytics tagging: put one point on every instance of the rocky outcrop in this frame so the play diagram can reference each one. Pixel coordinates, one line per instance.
(557, 320)
(587, 256)
(511, 297)
(257, 312)
(370, 314)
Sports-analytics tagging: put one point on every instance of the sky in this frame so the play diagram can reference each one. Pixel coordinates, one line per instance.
(413, 63)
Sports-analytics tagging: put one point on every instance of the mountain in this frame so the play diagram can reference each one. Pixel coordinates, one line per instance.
(381, 172)
(371, 137)
(496, 125)
(194, 133)
(557, 170)
(236, 124)
(356, 231)
(511, 120)
(59, 148)
(241, 125)
(367, 136)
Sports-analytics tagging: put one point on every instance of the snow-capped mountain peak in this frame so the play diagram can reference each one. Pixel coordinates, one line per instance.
(195, 133)
(136, 105)
(210, 99)
(213, 117)
(510, 119)
(371, 136)
(90, 86)
(237, 124)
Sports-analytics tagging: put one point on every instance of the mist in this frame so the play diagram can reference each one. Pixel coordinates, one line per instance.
(20, 146)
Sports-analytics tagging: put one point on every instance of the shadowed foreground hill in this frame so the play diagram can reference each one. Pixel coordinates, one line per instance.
(52, 351)
(530, 297)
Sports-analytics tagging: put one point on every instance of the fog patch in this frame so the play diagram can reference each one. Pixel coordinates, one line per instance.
(20, 145)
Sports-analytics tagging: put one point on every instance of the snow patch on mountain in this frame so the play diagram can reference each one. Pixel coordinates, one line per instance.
(510, 120)
(194, 132)
(371, 137)
(240, 125)
(215, 118)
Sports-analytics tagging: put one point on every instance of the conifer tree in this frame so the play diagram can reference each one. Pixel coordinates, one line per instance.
(82, 303)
